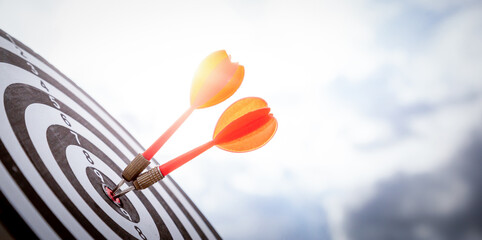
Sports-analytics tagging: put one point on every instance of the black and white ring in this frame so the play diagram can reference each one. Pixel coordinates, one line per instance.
(58, 148)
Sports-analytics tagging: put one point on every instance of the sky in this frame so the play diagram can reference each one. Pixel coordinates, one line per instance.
(379, 105)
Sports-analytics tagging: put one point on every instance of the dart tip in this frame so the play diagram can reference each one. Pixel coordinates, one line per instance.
(123, 192)
(118, 186)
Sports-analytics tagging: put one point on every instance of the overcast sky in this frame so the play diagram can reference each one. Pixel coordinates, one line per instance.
(373, 99)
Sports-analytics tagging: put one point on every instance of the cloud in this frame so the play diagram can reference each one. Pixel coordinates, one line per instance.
(375, 99)
(271, 217)
(442, 204)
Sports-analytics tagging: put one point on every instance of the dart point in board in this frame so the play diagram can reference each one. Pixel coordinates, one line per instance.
(244, 126)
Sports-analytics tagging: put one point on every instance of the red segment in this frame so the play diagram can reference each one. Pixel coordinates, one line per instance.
(111, 195)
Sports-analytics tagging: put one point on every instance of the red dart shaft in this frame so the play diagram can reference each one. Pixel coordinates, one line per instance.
(152, 150)
(172, 165)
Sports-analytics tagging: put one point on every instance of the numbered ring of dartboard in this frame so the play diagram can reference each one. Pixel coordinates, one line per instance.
(66, 162)
(63, 135)
(60, 131)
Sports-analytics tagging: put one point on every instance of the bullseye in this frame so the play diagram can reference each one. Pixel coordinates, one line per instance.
(110, 194)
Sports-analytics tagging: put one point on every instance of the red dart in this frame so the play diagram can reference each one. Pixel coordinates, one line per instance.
(244, 126)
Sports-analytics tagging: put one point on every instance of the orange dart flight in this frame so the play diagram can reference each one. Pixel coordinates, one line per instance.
(216, 79)
(244, 126)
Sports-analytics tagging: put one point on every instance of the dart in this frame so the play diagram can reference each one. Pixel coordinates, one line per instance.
(216, 79)
(244, 126)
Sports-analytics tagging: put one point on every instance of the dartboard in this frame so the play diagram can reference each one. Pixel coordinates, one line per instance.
(59, 153)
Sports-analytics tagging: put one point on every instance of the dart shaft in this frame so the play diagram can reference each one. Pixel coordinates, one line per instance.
(152, 150)
(156, 174)
(170, 166)
(124, 192)
(117, 187)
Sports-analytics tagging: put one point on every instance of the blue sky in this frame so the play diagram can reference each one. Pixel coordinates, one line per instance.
(368, 94)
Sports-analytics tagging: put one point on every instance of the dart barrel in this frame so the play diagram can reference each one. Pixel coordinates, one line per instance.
(148, 178)
(135, 167)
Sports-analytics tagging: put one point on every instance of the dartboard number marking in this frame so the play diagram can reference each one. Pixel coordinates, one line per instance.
(65, 120)
(55, 103)
(78, 141)
(140, 233)
(15, 45)
(87, 156)
(126, 213)
(99, 175)
(32, 68)
(43, 85)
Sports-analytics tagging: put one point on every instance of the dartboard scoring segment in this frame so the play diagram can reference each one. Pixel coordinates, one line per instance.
(59, 155)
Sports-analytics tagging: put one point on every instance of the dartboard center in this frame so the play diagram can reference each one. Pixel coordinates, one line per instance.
(110, 194)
